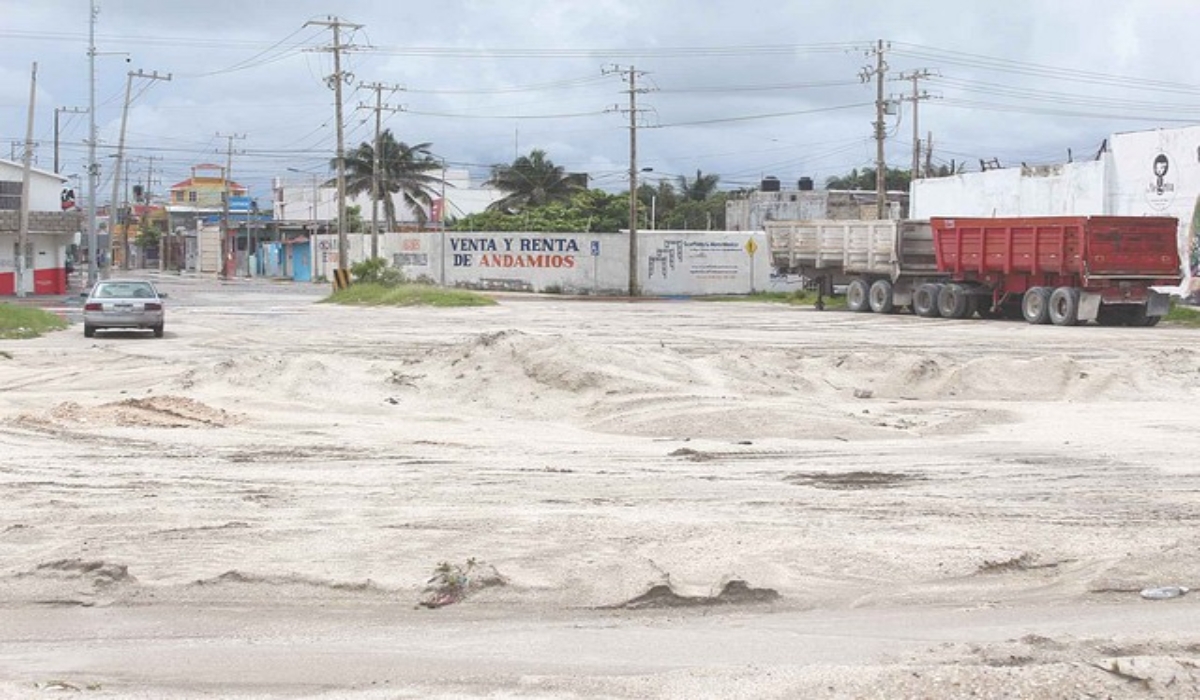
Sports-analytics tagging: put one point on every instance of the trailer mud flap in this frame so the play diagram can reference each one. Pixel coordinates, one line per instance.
(1158, 304)
(1089, 306)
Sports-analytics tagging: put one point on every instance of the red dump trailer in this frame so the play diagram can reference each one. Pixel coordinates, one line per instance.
(1061, 270)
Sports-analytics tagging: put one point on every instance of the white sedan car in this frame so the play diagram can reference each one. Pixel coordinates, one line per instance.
(123, 304)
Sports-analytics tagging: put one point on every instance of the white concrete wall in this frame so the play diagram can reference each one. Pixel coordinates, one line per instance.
(669, 262)
(574, 263)
(1069, 189)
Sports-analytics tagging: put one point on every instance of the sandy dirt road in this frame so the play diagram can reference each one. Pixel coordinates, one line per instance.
(664, 499)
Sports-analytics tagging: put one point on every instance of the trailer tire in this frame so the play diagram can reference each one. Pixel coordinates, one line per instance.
(925, 300)
(1064, 306)
(858, 295)
(1138, 317)
(1114, 315)
(1035, 305)
(953, 301)
(880, 297)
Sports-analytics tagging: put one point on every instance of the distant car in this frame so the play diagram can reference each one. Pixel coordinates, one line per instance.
(123, 304)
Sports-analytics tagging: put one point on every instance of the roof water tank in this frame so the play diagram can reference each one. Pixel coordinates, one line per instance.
(770, 184)
(805, 184)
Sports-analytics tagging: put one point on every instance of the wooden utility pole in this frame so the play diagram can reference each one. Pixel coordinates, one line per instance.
(377, 166)
(114, 206)
(630, 76)
(226, 251)
(335, 81)
(915, 98)
(879, 73)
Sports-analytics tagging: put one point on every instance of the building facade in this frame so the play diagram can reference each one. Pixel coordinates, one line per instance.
(54, 226)
(773, 202)
(194, 213)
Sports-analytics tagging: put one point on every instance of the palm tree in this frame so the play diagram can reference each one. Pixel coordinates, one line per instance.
(699, 189)
(531, 181)
(405, 171)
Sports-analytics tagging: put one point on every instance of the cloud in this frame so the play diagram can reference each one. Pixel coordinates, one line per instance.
(738, 90)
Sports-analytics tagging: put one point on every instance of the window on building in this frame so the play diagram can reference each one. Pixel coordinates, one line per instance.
(192, 196)
(10, 195)
(177, 196)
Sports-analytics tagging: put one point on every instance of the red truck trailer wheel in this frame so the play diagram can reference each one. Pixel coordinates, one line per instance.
(1035, 305)
(1064, 306)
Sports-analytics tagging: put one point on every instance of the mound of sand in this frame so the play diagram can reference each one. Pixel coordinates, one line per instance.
(149, 412)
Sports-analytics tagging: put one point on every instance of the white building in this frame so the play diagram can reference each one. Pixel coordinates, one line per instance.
(299, 200)
(1143, 173)
(51, 230)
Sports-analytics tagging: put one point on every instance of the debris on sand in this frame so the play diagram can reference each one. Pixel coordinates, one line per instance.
(735, 592)
(451, 583)
(1164, 592)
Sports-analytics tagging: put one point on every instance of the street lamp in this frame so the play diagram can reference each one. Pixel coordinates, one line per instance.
(653, 202)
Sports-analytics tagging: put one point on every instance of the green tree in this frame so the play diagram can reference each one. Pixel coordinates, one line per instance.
(531, 181)
(895, 179)
(699, 189)
(405, 171)
(586, 210)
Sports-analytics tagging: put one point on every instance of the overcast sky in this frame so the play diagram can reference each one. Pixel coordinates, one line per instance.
(738, 89)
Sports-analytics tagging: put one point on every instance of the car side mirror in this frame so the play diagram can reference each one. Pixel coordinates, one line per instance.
(162, 295)
(83, 294)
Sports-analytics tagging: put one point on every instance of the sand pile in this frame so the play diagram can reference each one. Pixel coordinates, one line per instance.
(150, 412)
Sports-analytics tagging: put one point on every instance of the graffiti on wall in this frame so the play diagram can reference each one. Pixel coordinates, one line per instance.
(1160, 191)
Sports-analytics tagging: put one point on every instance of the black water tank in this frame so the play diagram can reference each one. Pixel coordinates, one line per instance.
(805, 184)
(770, 184)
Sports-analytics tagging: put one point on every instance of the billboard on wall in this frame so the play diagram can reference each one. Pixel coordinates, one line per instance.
(668, 262)
(573, 263)
(695, 263)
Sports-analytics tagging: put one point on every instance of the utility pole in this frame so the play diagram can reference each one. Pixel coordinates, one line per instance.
(377, 164)
(22, 261)
(879, 72)
(93, 167)
(226, 250)
(929, 154)
(335, 81)
(630, 76)
(113, 213)
(58, 111)
(917, 95)
(163, 236)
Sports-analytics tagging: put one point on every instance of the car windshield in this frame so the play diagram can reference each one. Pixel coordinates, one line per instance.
(124, 290)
